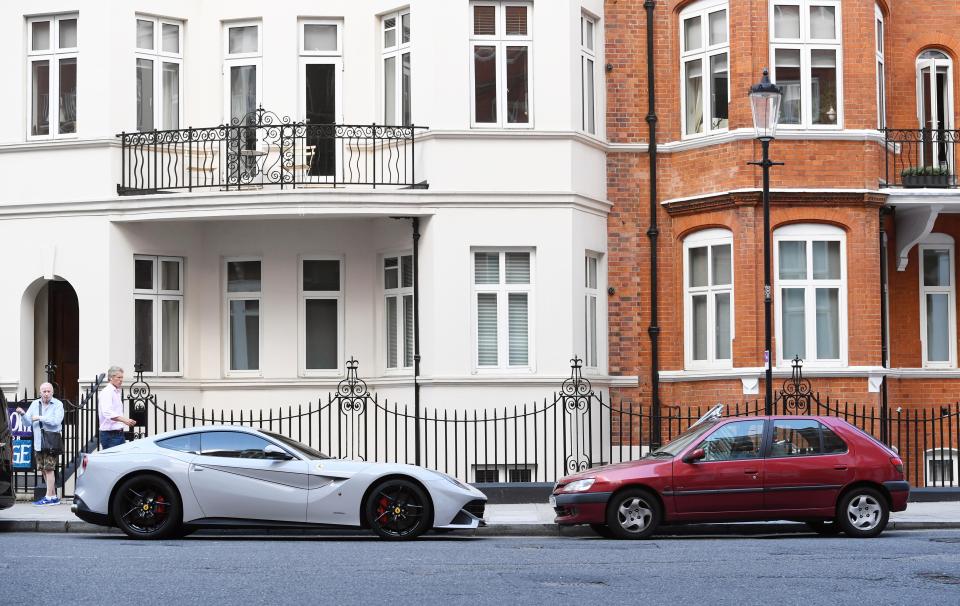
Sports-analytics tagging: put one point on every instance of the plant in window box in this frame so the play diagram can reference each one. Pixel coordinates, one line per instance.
(926, 176)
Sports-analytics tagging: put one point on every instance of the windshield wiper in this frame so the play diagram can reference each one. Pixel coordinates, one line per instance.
(660, 453)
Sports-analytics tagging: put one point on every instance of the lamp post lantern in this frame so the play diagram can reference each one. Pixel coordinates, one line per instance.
(765, 104)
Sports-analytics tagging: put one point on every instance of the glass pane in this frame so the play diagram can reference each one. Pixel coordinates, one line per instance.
(517, 99)
(722, 319)
(245, 335)
(589, 113)
(516, 20)
(243, 91)
(171, 96)
(170, 335)
(699, 326)
(787, 71)
(321, 334)
(823, 22)
(392, 320)
(243, 276)
(144, 34)
(718, 27)
(519, 342)
(592, 272)
(319, 37)
(793, 260)
(405, 89)
(40, 35)
(390, 90)
(405, 28)
(484, 20)
(68, 33)
(938, 328)
(408, 331)
(719, 91)
(389, 32)
(143, 333)
(828, 324)
(170, 37)
(40, 99)
(243, 39)
(823, 86)
(693, 96)
(721, 264)
(390, 273)
(733, 441)
(692, 34)
(232, 444)
(588, 34)
(487, 329)
(793, 322)
(826, 260)
(936, 268)
(321, 275)
(143, 274)
(795, 438)
(832, 442)
(517, 267)
(485, 83)
(144, 94)
(486, 268)
(68, 96)
(592, 319)
(698, 266)
(406, 271)
(169, 275)
(786, 21)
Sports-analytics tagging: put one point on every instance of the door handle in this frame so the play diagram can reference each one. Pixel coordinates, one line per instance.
(750, 472)
(840, 467)
(197, 468)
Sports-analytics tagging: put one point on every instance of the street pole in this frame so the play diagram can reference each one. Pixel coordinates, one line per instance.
(765, 163)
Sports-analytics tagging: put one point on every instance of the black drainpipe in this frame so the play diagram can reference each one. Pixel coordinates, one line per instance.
(416, 338)
(653, 232)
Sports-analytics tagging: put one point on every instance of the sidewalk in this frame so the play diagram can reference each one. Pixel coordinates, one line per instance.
(505, 520)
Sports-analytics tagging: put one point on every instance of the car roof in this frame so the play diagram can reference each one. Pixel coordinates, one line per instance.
(199, 428)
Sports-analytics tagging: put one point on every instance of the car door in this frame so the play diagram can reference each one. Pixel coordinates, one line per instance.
(327, 503)
(807, 466)
(233, 478)
(729, 479)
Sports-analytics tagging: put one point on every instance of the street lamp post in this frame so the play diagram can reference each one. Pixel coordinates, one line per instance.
(765, 103)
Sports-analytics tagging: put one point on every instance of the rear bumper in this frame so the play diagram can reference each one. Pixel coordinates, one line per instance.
(899, 493)
(580, 508)
(83, 512)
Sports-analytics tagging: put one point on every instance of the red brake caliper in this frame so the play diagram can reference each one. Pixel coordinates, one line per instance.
(384, 504)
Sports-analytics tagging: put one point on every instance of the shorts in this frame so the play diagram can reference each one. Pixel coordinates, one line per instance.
(46, 461)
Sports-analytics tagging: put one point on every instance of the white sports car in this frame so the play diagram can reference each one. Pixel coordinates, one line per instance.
(224, 476)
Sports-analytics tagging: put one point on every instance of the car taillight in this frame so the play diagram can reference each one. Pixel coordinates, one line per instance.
(897, 464)
(83, 465)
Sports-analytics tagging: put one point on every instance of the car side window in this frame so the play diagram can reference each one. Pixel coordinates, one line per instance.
(832, 443)
(734, 441)
(188, 443)
(233, 444)
(795, 437)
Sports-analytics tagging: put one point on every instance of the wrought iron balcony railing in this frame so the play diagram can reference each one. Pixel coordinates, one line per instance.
(264, 150)
(921, 157)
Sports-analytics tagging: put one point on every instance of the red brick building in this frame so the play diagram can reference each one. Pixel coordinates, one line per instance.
(850, 218)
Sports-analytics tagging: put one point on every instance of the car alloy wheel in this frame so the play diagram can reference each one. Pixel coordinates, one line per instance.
(146, 507)
(398, 510)
(863, 513)
(633, 514)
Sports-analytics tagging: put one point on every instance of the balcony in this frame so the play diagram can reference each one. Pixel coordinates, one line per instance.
(262, 150)
(921, 157)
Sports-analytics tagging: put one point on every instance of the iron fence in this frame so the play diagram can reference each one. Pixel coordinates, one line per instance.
(920, 157)
(263, 149)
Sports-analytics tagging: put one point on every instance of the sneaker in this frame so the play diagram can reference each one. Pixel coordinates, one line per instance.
(42, 502)
(53, 500)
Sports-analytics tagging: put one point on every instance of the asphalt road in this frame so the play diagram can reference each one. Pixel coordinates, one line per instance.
(901, 567)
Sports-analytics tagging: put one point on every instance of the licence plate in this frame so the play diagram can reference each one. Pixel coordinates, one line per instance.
(553, 501)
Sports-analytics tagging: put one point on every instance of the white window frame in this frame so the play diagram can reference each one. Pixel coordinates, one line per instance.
(333, 58)
(241, 296)
(805, 44)
(703, 10)
(809, 233)
(396, 52)
(301, 27)
(52, 56)
(157, 295)
(240, 60)
(947, 454)
(592, 331)
(941, 242)
(707, 238)
(158, 56)
(503, 290)
(589, 58)
(399, 293)
(879, 29)
(329, 295)
(501, 41)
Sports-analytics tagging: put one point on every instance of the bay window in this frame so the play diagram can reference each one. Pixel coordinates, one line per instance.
(591, 311)
(500, 42)
(588, 61)
(502, 304)
(242, 314)
(704, 67)
(159, 58)
(396, 68)
(398, 292)
(158, 314)
(52, 50)
(937, 302)
(708, 298)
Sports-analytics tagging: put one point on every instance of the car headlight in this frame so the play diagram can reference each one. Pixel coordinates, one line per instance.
(454, 481)
(579, 485)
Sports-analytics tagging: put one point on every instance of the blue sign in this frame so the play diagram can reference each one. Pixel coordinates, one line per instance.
(22, 451)
(20, 426)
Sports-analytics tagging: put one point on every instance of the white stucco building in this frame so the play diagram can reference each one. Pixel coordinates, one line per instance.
(233, 291)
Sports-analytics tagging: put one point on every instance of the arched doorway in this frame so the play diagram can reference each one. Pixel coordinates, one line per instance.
(56, 335)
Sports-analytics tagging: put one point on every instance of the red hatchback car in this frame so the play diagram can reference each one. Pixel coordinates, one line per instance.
(819, 470)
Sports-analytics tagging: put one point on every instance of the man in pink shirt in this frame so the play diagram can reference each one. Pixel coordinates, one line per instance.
(112, 421)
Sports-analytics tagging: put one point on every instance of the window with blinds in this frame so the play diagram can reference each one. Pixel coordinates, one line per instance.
(502, 283)
(501, 43)
(398, 293)
(591, 297)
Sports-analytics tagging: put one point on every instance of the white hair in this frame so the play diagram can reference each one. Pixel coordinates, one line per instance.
(113, 371)
(50, 385)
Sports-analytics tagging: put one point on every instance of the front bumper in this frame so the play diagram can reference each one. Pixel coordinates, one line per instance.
(580, 507)
(469, 517)
(83, 512)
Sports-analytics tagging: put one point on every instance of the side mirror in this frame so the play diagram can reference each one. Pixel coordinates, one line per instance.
(694, 455)
(275, 453)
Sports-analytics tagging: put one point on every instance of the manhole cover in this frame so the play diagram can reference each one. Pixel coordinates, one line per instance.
(939, 577)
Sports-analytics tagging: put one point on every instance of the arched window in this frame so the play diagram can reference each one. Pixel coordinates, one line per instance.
(935, 107)
(708, 298)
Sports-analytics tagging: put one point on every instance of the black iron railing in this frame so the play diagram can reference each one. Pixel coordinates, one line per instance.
(264, 150)
(921, 157)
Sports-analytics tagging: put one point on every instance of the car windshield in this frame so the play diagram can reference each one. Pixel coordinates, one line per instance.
(691, 435)
(303, 449)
